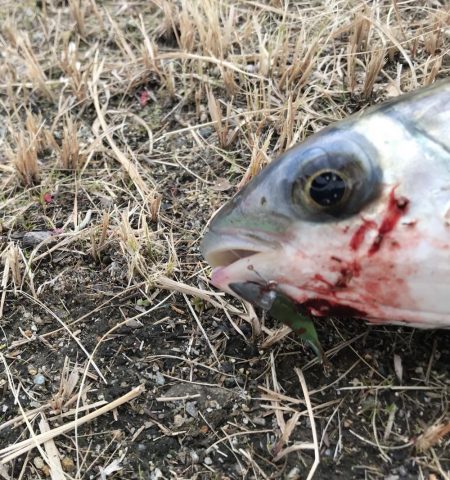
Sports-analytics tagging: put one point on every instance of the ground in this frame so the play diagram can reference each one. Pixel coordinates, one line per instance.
(125, 125)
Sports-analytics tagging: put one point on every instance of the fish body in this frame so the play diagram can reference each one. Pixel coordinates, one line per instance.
(353, 222)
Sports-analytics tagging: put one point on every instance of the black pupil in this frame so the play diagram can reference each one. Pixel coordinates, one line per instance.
(327, 188)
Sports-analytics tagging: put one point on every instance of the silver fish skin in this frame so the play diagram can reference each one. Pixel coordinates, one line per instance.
(355, 221)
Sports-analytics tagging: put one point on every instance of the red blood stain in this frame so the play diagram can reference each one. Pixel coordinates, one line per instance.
(319, 285)
(396, 208)
(347, 273)
(323, 280)
(392, 292)
(363, 290)
(347, 270)
(375, 288)
(321, 307)
(360, 234)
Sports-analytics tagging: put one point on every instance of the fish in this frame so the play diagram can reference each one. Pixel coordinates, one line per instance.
(352, 222)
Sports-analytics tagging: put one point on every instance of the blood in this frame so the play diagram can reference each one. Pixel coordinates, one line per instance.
(346, 270)
(320, 278)
(365, 285)
(394, 244)
(355, 289)
(360, 234)
(321, 307)
(347, 273)
(396, 208)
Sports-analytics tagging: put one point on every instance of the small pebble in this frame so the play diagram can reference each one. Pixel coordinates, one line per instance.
(31, 239)
(191, 409)
(156, 474)
(67, 464)
(38, 463)
(205, 132)
(117, 434)
(159, 378)
(178, 420)
(213, 404)
(39, 379)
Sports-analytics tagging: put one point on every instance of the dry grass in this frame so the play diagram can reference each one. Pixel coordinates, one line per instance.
(23, 156)
(71, 156)
(125, 125)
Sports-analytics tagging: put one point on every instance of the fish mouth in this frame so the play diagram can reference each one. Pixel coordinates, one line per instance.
(221, 250)
(224, 257)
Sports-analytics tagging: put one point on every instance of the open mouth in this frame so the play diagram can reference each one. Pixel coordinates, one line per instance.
(222, 250)
(224, 258)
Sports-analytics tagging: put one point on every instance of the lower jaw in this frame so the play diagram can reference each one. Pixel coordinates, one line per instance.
(324, 306)
(215, 275)
(220, 279)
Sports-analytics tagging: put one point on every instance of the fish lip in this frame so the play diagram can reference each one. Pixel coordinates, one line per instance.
(221, 249)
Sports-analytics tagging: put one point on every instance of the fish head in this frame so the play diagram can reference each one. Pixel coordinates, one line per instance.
(349, 223)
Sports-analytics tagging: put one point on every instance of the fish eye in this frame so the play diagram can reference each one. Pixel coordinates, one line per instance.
(328, 187)
(333, 182)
